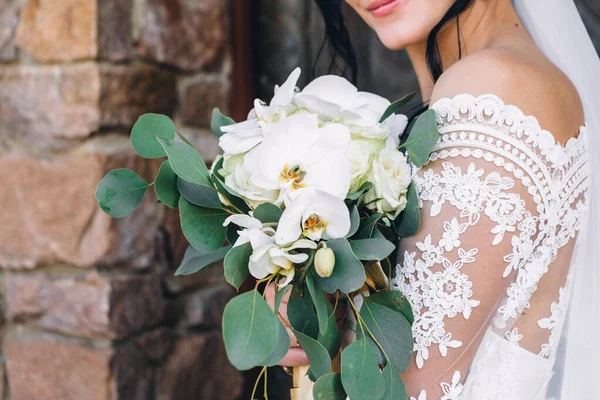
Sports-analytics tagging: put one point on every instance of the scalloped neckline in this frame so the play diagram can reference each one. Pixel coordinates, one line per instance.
(572, 141)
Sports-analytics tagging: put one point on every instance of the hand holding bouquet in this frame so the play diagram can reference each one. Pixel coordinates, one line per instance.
(312, 193)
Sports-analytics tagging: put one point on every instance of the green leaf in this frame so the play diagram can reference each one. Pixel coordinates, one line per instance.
(301, 315)
(194, 260)
(232, 233)
(354, 221)
(409, 221)
(372, 249)
(218, 120)
(280, 295)
(365, 187)
(165, 185)
(186, 162)
(365, 230)
(391, 330)
(202, 227)
(394, 387)
(422, 138)
(331, 338)
(360, 373)
(348, 272)
(392, 108)
(145, 132)
(379, 356)
(395, 300)
(329, 387)
(280, 350)
(250, 330)
(377, 235)
(200, 195)
(321, 303)
(234, 198)
(120, 192)
(236, 264)
(267, 212)
(320, 363)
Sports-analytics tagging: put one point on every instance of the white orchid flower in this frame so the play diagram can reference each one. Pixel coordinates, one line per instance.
(315, 215)
(243, 136)
(297, 154)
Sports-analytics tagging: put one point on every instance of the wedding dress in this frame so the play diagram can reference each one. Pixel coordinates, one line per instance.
(503, 203)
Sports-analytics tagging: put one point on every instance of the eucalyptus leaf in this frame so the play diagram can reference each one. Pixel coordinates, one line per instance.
(367, 225)
(372, 249)
(302, 316)
(218, 120)
(409, 221)
(365, 187)
(321, 303)
(200, 195)
(194, 260)
(236, 264)
(250, 330)
(202, 227)
(354, 221)
(165, 185)
(395, 300)
(379, 356)
(231, 196)
(280, 295)
(329, 387)
(320, 363)
(331, 338)
(391, 330)
(394, 387)
(392, 108)
(361, 377)
(422, 138)
(145, 132)
(280, 350)
(232, 233)
(348, 272)
(267, 212)
(186, 162)
(120, 192)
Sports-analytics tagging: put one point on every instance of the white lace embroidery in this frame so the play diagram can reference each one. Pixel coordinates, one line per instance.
(451, 391)
(519, 152)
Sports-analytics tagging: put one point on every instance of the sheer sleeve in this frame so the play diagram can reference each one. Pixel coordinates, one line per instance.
(490, 208)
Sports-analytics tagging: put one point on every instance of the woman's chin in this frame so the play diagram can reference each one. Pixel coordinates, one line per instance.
(400, 36)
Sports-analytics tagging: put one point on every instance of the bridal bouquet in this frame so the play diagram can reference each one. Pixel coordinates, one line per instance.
(312, 194)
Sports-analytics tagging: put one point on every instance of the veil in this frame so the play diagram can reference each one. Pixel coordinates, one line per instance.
(557, 28)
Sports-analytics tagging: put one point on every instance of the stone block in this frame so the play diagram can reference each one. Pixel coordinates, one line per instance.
(199, 96)
(205, 307)
(9, 20)
(132, 376)
(115, 29)
(156, 345)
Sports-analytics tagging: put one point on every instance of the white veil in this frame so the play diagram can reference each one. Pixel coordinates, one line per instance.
(558, 30)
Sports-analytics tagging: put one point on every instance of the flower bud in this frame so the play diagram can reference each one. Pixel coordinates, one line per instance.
(324, 262)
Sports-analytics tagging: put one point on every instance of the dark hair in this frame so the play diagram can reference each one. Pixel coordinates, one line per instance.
(336, 34)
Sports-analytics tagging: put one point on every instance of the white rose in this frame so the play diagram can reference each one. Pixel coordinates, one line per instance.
(359, 155)
(390, 175)
(238, 173)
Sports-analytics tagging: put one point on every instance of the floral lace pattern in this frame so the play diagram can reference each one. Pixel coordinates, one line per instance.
(504, 150)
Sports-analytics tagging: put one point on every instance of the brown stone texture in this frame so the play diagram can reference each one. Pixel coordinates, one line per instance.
(39, 103)
(132, 376)
(188, 34)
(208, 277)
(115, 29)
(199, 97)
(127, 92)
(9, 20)
(41, 367)
(50, 214)
(198, 369)
(156, 345)
(205, 307)
(59, 30)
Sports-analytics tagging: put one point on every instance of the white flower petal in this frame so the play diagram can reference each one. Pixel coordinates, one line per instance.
(289, 228)
(243, 221)
(302, 244)
(333, 89)
(284, 94)
(289, 275)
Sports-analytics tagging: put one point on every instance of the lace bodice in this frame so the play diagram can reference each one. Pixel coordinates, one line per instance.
(488, 274)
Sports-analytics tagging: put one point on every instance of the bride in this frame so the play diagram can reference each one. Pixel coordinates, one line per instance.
(500, 278)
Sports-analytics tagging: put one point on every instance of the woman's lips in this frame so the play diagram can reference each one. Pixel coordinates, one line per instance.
(381, 8)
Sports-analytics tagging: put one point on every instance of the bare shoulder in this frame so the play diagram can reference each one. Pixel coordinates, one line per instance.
(520, 78)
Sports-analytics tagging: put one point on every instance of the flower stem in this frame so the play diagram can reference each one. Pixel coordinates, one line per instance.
(262, 371)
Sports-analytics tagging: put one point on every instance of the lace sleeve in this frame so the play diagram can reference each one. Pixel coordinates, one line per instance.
(489, 199)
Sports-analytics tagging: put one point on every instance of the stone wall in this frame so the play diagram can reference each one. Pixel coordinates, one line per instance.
(90, 306)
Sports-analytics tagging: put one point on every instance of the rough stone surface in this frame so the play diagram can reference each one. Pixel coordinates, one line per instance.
(132, 376)
(42, 367)
(115, 30)
(199, 97)
(156, 345)
(72, 305)
(205, 307)
(188, 34)
(210, 276)
(59, 30)
(127, 92)
(41, 103)
(9, 20)
(198, 369)
(50, 214)
(136, 303)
